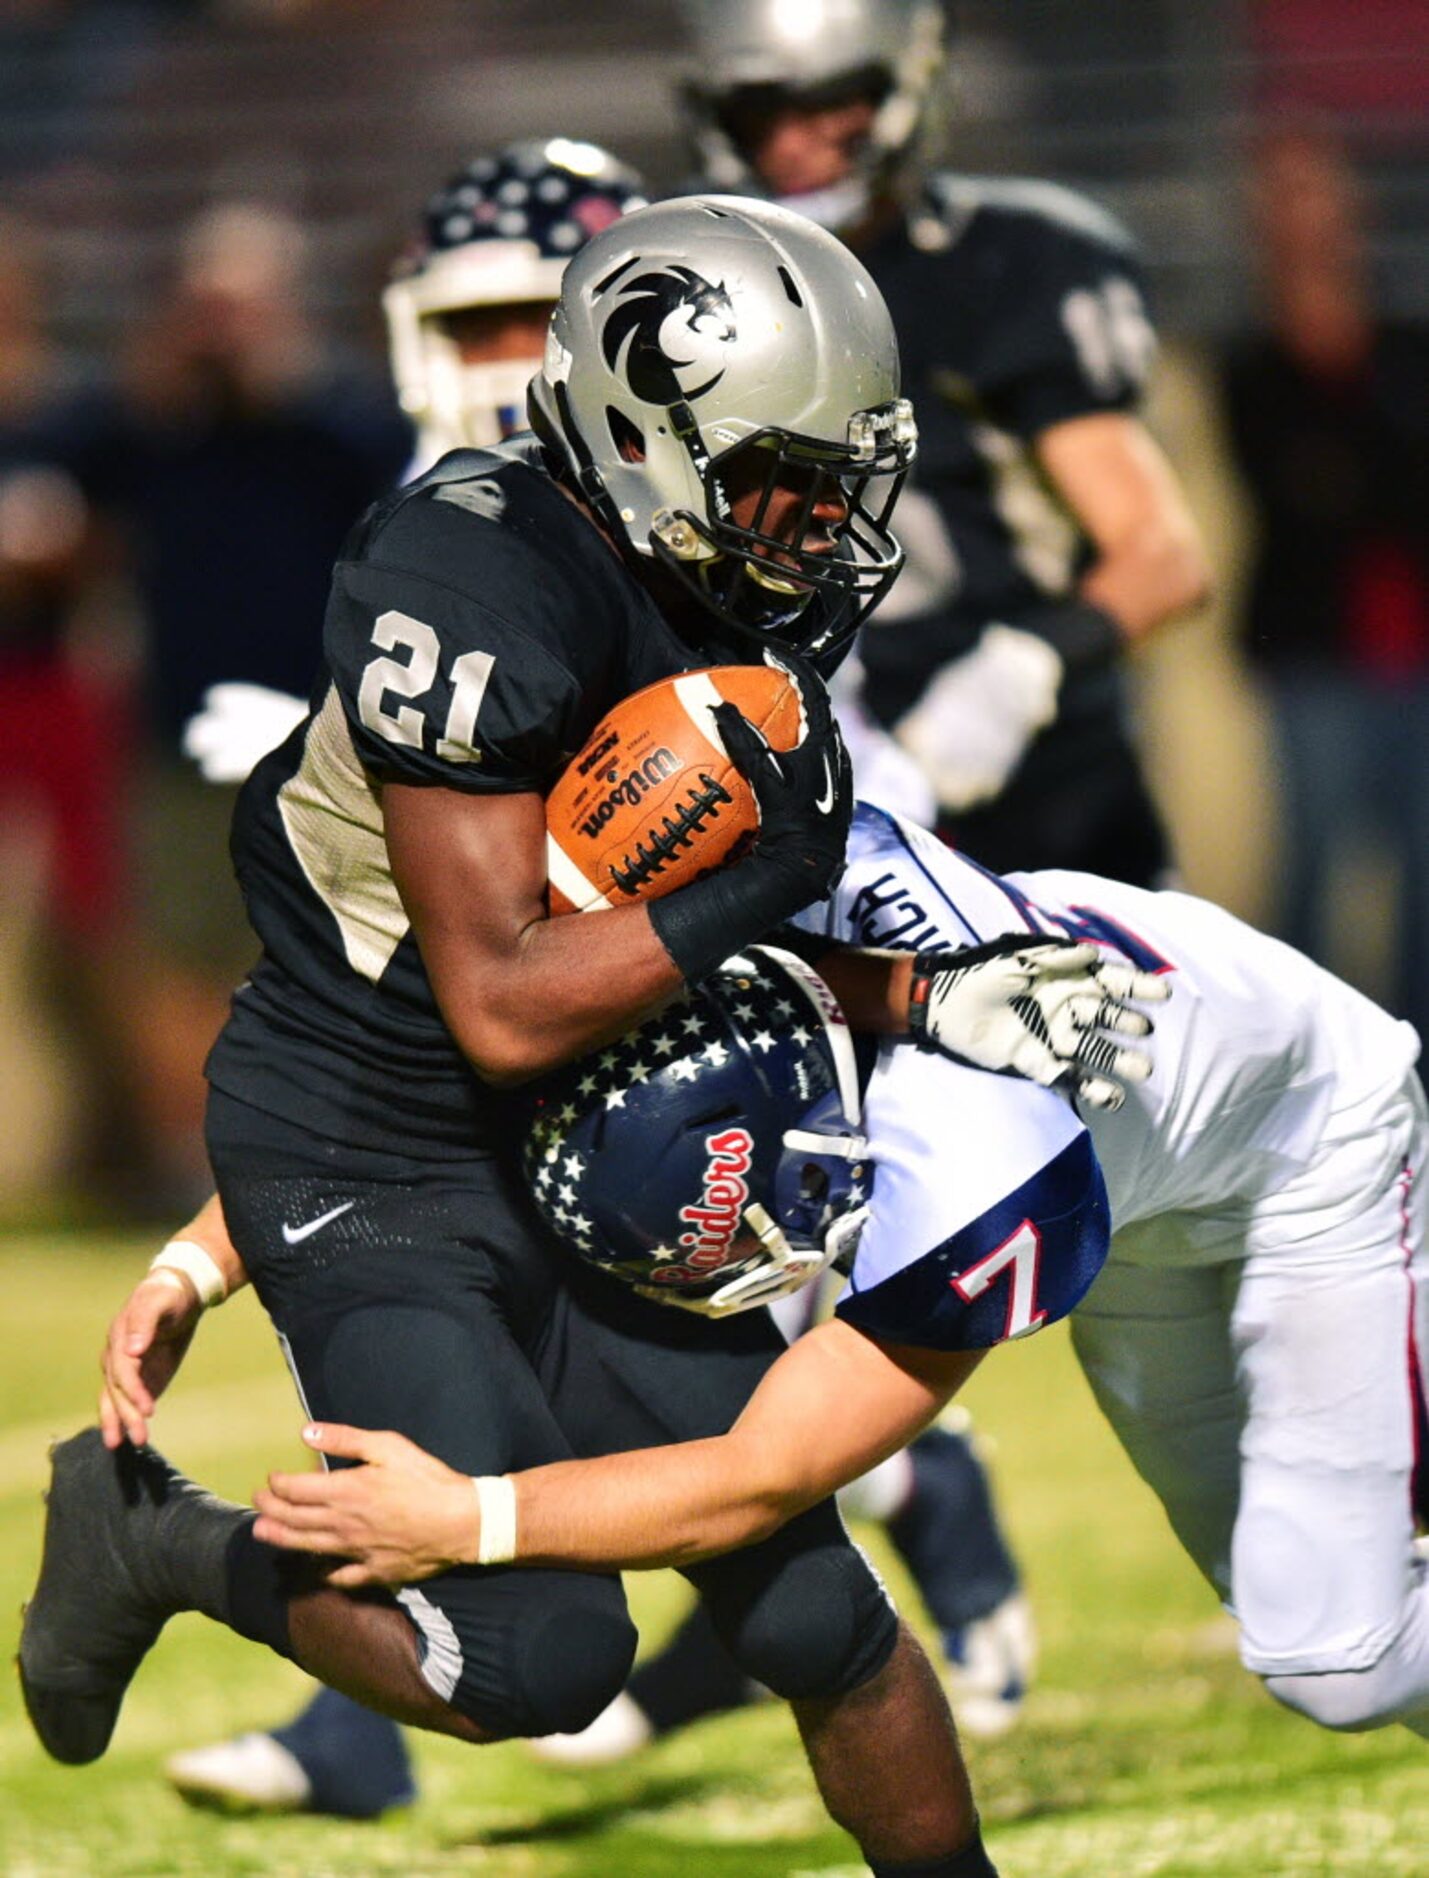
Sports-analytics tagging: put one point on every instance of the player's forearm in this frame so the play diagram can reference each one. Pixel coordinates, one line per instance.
(871, 987)
(834, 1404)
(209, 1230)
(653, 1507)
(563, 987)
(1117, 481)
(1155, 573)
(519, 992)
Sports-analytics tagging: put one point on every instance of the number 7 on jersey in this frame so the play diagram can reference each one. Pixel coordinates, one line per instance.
(1022, 1254)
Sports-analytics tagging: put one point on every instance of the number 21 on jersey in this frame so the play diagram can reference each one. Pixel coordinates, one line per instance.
(470, 675)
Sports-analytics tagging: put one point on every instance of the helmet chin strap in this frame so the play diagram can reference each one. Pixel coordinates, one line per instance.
(841, 205)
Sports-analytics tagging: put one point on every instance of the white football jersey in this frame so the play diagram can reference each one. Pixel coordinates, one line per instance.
(985, 1203)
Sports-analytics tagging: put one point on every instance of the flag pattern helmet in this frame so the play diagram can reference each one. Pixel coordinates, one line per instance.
(499, 234)
(713, 1157)
(695, 333)
(749, 57)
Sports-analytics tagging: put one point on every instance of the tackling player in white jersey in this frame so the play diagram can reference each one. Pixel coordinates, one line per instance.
(1256, 1337)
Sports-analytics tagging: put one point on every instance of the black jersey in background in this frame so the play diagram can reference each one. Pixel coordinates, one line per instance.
(1018, 306)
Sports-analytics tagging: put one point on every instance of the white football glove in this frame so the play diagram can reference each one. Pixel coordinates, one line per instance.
(237, 727)
(1048, 1010)
(972, 725)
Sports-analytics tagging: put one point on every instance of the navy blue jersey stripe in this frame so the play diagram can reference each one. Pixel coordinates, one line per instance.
(1025, 1262)
(1026, 911)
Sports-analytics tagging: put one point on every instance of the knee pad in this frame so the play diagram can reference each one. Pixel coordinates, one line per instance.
(571, 1662)
(811, 1621)
(540, 1652)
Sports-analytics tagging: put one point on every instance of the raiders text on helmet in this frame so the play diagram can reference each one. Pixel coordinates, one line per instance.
(711, 1158)
(498, 235)
(702, 330)
(747, 57)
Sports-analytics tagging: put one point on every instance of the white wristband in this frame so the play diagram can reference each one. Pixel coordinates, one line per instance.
(496, 1499)
(189, 1258)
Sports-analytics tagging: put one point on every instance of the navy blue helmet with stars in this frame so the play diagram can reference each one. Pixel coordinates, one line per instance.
(499, 234)
(712, 1157)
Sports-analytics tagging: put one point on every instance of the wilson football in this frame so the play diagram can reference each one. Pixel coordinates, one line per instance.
(652, 802)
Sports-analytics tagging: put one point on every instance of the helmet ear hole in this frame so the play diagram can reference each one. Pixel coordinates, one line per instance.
(628, 438)
(813, 1184)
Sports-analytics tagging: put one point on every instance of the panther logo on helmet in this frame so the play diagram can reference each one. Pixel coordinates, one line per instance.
(669, 322)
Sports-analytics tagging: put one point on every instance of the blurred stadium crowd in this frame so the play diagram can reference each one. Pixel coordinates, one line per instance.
(199, 203)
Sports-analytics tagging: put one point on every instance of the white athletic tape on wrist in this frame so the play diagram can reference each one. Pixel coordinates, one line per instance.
(190, 1259)
(496, 1499)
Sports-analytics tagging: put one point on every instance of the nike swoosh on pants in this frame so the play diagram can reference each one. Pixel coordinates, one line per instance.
(294, 1235)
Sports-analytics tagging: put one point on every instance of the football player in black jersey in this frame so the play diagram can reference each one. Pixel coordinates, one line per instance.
(720, 443)
(1045, 531)
(466, 318)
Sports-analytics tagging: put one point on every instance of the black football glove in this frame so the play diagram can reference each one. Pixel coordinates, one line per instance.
(805, 795)
(805, 799)
(1046, 1009)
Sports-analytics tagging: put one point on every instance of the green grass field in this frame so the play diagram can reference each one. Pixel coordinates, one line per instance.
(1145, 1749)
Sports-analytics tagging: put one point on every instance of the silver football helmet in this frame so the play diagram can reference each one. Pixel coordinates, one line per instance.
(710, 346)
(747, 57)
(498, 234)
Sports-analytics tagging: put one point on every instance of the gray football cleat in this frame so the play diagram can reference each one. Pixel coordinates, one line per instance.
(120, 1548)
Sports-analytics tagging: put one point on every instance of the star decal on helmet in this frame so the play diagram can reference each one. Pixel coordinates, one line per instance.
(594, 1187)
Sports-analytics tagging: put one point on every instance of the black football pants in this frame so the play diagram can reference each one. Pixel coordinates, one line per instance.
(431, 1301)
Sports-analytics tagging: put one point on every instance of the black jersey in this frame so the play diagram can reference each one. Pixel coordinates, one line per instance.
(1017, 305)
(477, 628)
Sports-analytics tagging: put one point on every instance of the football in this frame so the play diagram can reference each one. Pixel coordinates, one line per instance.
(653, 801)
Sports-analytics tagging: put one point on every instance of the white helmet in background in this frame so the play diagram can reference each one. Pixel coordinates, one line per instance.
(498, 236)
(749, 58)
(695, 333)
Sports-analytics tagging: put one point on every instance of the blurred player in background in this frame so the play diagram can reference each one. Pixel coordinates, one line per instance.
(233, 454)
(64, 800)
(1045, 531)
(467, 316)
(469, 307)
(1328, 402)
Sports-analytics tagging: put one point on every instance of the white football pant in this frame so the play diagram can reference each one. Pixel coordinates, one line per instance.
(1268, 1400)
